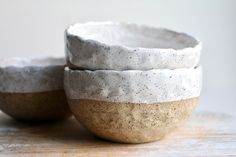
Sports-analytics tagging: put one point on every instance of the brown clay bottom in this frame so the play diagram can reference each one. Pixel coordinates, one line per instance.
(130, 122)
(38, 106)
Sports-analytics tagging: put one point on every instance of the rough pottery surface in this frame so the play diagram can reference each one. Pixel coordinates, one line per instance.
(32, 88)
(134, 86)
(129, 122)
(122, 46)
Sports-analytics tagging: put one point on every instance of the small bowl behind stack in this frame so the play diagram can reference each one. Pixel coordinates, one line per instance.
(32, 89)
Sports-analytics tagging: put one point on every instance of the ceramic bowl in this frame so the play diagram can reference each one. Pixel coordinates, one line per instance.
(32, 89)
(122, 46)
(132, 106)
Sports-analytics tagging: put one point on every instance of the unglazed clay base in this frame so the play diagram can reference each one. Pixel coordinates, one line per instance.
(131, 122)
(122, 46)
(38, 106)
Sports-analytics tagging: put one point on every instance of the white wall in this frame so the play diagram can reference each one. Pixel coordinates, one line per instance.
(36, 27)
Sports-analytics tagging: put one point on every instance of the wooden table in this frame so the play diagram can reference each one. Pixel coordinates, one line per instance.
(206, 134)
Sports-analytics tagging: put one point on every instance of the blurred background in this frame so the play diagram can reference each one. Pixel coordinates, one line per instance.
(36, 28)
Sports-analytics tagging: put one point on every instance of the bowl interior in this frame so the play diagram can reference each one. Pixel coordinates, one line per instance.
(132, 35)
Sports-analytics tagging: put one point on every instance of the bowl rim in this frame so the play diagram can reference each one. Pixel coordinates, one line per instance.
(68, 69)
(198, 43)
(134, 86)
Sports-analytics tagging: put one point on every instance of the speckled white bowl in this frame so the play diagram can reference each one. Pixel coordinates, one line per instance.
(132, 106)
(32, 88)
(120, 46)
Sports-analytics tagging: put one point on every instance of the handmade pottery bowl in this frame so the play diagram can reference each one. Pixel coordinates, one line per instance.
(132, 106)
(120, 46)
(32, 89)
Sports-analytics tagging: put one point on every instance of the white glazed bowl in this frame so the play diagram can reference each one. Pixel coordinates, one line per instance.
(132, 106)
(32, 88)
(121, 46)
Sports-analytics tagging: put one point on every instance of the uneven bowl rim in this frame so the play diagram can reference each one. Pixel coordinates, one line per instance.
(187, 81)
(67, 69)
(198, 44)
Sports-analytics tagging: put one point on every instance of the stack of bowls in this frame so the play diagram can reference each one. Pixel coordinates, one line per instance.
(130, 83)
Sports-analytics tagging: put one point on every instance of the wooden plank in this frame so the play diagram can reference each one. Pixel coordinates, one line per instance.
(206, 134)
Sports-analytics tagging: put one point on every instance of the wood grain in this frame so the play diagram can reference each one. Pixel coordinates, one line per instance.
(206, 134)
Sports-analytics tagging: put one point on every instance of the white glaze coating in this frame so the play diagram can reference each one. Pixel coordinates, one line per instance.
(120, 46)
(133, 86)
(27, 75)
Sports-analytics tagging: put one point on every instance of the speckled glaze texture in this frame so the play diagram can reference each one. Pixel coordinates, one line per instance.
(120, 46)
(133, 86)
(132, 123)
(22, 75)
